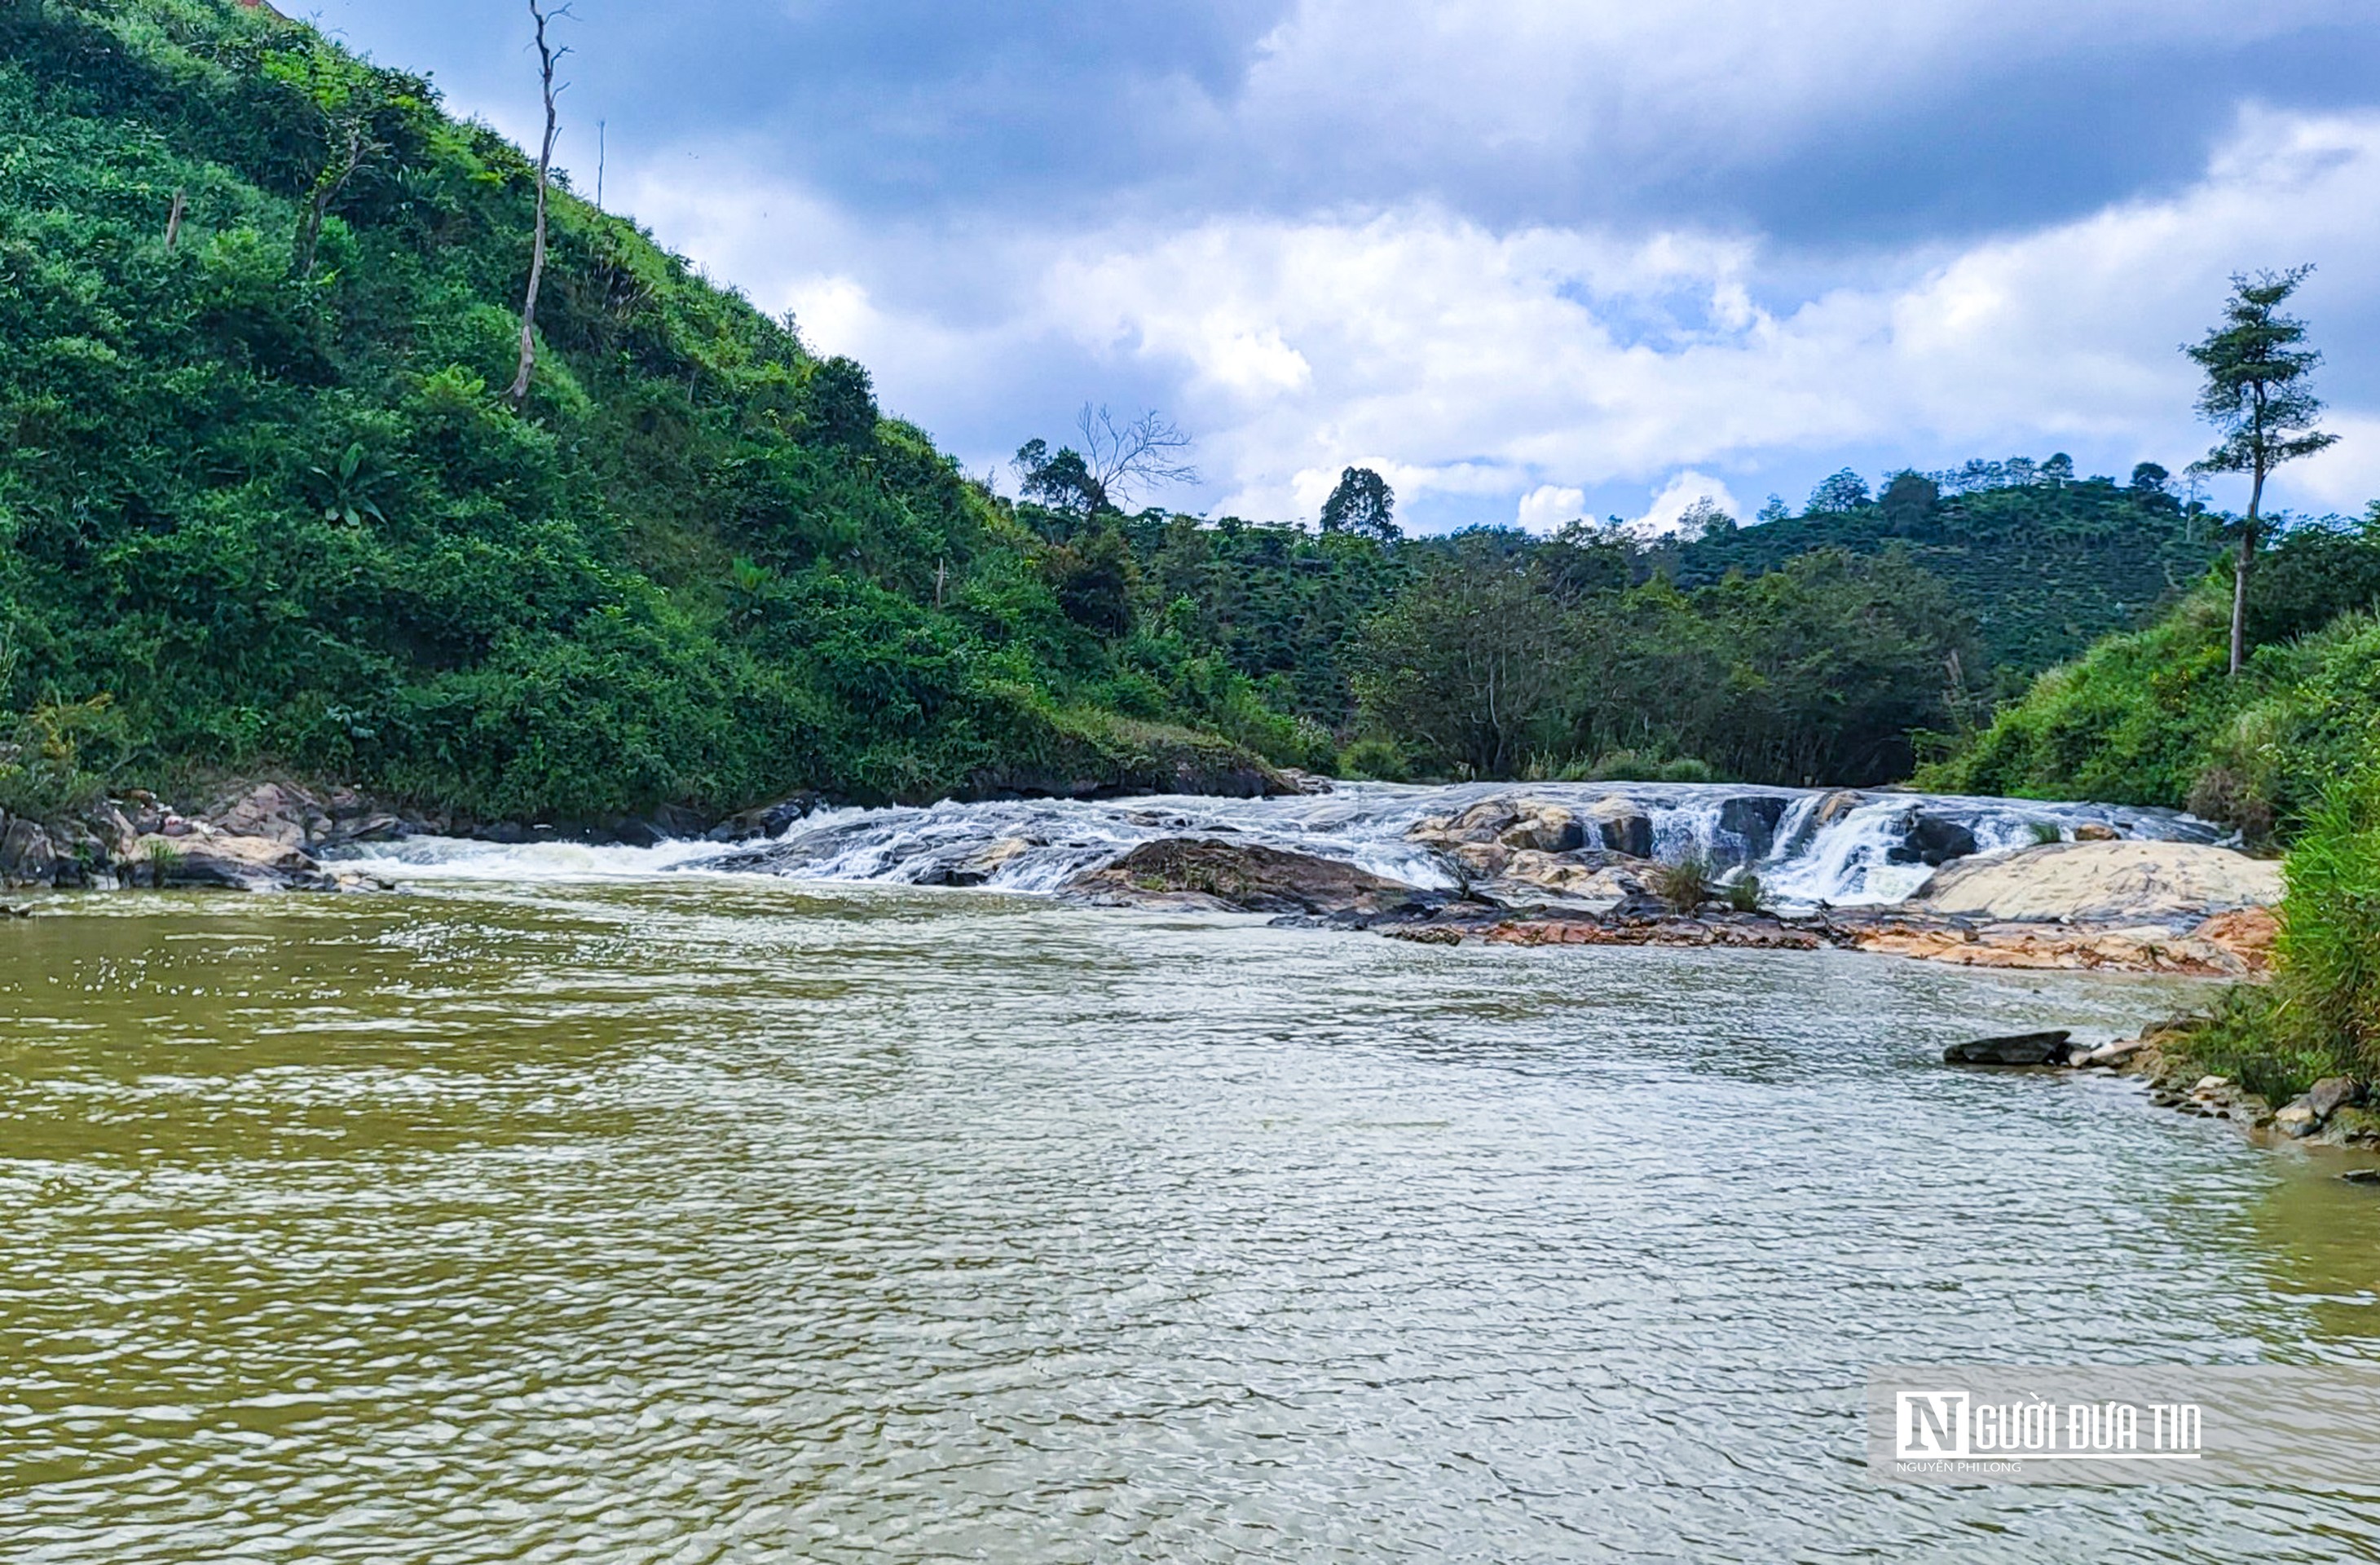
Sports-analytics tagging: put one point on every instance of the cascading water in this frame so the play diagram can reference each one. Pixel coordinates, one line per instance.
(1807, 846)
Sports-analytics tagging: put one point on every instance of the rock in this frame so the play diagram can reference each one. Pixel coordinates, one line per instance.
(207, 857)
(1932, 839)
(2137, 882)
(985, 862)
(2362, 1176)
(1302, 781)
(1835, 806)
(28, 856)
(2022, 1048)
(1425, 934)
(1544, 828)
(1753, 818)
(2312, 1109)
(1587, 876)
(768, 820)
(276, 811)
(2249, 933)
(1202, 872)
(2331, 1094)
(2209, 1084)
(2115, 1053)
(2095, 833)
(1624, 826)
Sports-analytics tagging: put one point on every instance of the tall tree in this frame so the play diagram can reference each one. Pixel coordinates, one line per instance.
(1363, 504)
(1466, 665)
(1114, 463)
(2256, 398)
(548, 58)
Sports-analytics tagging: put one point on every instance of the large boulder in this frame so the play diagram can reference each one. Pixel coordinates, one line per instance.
(2171, 883)
(1622, 825)
(1508, 820)
(1932, 839)
(766, 820)
(206, 858)
(1204, 873)
(1751, 818)
(29, 856)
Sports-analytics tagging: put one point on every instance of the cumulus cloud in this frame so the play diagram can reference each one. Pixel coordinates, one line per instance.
(1485, 368)
(1549, 506)
(1511, 253)
(1688, 491)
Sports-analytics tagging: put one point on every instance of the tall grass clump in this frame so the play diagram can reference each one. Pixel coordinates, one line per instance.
(1684, 886)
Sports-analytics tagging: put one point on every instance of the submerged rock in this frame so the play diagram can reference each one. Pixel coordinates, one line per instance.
(2021, 1048)
(1201, 872)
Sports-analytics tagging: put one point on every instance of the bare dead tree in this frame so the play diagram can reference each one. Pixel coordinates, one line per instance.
(173, 218)
(356, 129)
(548, 58)
(1149, 452)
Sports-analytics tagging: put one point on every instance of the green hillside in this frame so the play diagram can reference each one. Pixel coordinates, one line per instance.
(2045, 568)
(262, 490)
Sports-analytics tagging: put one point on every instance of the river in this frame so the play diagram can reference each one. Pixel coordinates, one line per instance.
(615, 1213)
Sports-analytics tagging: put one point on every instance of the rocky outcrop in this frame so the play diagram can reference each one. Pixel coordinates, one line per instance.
(1753, 819)
(2119, 883)
(1622, 825)
(2023, 1048)
(1931, 840)
(1204, 873)
(766, 820)
(258, 838)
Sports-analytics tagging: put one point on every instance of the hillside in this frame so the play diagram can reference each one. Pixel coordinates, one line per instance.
(264, 505)
(2044, 568)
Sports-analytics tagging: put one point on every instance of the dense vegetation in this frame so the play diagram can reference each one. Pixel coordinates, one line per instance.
(267, 506)
(253, 296)
(2288, 752)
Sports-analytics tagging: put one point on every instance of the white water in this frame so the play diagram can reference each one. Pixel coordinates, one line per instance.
(1844, 863)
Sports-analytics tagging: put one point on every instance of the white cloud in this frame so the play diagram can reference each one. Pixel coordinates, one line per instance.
(1547, 507)
(1516, 369)
(1677, 497)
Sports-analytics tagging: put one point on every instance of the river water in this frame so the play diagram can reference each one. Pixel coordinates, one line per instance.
(631, 1214)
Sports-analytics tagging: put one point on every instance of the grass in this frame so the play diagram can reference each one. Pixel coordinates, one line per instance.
(2321, 1016)
(1684, 886)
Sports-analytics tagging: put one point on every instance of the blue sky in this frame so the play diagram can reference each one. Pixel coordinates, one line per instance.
(1532, 259)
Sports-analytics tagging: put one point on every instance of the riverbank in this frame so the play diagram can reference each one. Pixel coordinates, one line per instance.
(1974, 882)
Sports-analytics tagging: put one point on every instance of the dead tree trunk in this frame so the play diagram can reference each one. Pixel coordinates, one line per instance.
(547, 58)
(174, 219)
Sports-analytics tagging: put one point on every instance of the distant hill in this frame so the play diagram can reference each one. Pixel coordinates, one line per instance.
(2045, 568)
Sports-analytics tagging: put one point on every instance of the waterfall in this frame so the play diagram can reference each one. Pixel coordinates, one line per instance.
(1808, 846)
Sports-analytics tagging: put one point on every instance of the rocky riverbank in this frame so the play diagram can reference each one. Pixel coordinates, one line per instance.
(1529, 872)
(2336, 1111)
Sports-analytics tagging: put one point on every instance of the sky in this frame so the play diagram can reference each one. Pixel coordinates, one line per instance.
(1530, 260)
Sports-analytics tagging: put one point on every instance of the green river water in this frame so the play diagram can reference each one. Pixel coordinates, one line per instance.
(693, 1219)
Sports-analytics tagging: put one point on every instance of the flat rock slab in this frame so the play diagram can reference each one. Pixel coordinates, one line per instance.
(2171, 883)
(2021, 1048)
(1199, 871)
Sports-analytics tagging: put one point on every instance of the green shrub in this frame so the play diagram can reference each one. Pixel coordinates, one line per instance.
(1684, 886)
(1374, 760)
